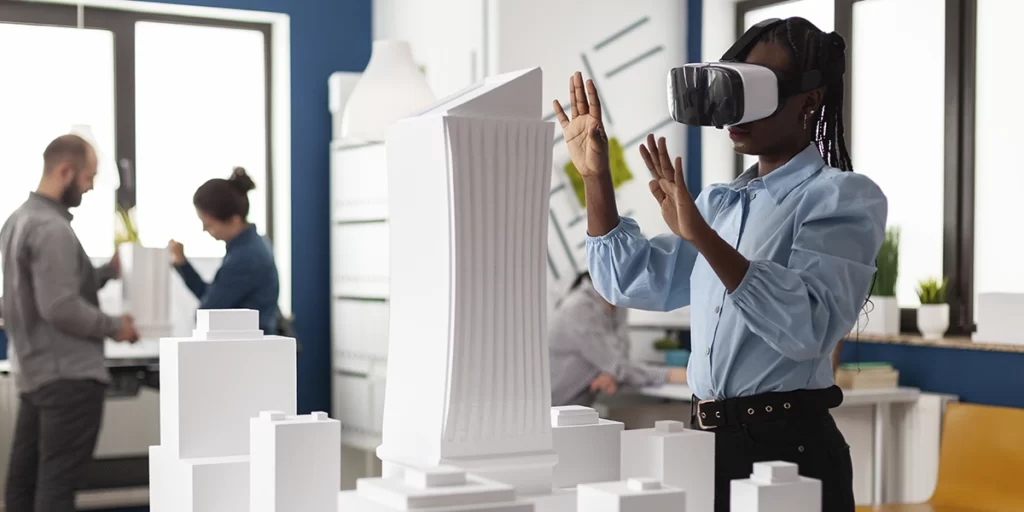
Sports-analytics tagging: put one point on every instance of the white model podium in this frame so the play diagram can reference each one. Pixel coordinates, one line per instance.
(468, 187)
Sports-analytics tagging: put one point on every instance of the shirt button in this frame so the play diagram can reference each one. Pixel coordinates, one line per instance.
(753, 195)
(717, 309)
(707, 351)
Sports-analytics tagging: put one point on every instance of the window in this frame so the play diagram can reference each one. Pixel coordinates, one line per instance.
(65, 77)
(998, 179)
(904, 158)
(185, 73)
(818, 12)
(921, 139)
(188, 96)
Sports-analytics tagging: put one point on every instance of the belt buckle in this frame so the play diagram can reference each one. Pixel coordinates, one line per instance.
(700, 416)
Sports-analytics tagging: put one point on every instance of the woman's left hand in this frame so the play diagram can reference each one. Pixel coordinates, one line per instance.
(668, 186)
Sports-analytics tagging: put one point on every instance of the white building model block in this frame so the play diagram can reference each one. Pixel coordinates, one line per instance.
(468, 189)
(587, 446)
(435, 489)
(633, 495)
(294, 463)
(775, 487)
(680, 458)
(211, 386)
(146, 289)
(213, 383)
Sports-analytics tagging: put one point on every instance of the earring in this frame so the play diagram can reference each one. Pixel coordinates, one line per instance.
(807, 116)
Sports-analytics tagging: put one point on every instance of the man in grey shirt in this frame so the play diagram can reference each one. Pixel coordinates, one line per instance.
(589, 343)
(56, 332)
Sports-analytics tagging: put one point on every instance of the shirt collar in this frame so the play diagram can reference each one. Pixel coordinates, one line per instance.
(60, 208)
(242, 238)
(780, 182)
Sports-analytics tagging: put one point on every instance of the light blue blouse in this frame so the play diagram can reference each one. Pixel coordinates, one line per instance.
(811, 233)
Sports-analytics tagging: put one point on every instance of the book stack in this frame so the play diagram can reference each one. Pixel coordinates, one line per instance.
(867, 376)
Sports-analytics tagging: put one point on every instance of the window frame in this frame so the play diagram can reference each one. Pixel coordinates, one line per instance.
(122, 24)
(958, 139)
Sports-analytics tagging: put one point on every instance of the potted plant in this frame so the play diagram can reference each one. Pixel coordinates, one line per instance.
(933, 314)
(883, 314)
(675, 355)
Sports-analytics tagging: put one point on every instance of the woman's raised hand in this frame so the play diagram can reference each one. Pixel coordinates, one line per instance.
(584, 133)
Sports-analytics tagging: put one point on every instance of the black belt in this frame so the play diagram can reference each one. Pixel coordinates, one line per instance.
(711, 414)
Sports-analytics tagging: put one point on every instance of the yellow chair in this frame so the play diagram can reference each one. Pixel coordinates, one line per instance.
(981, 464)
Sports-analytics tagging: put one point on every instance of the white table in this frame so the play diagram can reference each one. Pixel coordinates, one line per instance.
(880, 399)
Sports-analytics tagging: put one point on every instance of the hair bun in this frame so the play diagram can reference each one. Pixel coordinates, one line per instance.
(241, 180)
(837, 40)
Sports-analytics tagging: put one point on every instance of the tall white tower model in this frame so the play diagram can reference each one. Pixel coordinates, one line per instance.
(468, 200)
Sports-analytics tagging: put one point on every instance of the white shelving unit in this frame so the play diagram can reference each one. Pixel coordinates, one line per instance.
(359, 290)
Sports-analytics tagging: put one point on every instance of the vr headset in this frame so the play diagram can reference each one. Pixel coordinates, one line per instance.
(729, 92)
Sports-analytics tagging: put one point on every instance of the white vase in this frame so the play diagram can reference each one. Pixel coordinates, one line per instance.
(391, 87)
(146, 288)
(882, 317)
(933, 320)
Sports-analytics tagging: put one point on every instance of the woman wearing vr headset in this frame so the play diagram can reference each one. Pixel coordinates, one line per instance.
(775, 265)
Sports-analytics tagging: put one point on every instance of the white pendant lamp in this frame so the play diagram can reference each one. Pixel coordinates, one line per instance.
(391, 88)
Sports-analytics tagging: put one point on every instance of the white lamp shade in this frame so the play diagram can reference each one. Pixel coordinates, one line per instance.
(392, 87)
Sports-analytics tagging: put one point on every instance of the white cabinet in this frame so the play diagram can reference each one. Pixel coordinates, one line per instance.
(359, 289)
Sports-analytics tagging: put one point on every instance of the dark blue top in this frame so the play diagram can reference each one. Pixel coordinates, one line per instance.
(247, 279)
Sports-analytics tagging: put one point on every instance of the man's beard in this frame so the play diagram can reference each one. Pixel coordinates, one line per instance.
(72, 197)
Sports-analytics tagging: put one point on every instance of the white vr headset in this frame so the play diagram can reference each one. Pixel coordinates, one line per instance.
(730, 92)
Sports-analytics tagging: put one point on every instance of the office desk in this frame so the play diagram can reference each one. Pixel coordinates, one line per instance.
(880, 400)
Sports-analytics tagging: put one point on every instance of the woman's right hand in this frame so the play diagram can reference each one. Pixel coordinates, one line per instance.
(584, 133)
(177, 253)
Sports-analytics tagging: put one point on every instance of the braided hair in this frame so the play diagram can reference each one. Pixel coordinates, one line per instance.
(811, 49)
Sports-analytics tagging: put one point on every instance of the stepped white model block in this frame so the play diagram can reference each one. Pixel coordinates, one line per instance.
(633, 495)
(435, 489)
(208, 484)
(676, 456)
(468, 188)
(775, 487)
(295, 462)
(587, 446)
(212, 384)
(146, 288)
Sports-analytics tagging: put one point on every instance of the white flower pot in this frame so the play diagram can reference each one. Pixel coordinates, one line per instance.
(883, 317)
(933, 320)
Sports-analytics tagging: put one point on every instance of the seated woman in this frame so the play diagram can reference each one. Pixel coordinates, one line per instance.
(247, 278)
(589, 346)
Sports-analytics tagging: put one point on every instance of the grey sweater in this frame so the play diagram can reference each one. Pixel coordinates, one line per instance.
(50, 308)
(588, 338)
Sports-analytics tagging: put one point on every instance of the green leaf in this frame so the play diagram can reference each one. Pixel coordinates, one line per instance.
(932, 291)
(887, 264)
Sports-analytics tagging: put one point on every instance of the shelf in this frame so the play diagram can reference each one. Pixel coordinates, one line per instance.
(960, 343)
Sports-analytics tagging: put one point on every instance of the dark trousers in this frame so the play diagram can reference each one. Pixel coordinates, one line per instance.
(814, 443)
(54, 440)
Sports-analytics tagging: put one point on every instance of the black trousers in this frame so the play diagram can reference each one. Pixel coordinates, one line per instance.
(814, 443)
(54, 440)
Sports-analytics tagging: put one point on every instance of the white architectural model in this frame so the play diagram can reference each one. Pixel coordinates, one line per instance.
(587, 446)
(468, 184)
(675, 456)
(633, 495)
(468, 423)
(293, 464)
(213, 389)
(146, 288)
(775, 487)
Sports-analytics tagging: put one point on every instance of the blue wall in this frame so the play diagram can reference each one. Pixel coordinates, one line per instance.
(976, 376)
